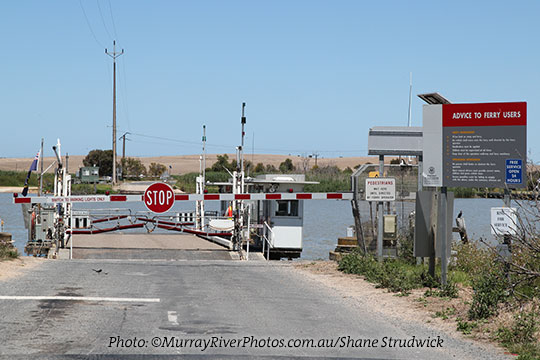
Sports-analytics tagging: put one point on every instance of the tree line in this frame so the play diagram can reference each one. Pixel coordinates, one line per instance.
(131, 167)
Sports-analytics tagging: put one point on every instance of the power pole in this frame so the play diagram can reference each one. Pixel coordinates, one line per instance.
(114, 55)
(123, 137)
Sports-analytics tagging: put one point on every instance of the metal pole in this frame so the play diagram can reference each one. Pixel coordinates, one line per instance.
(507, 199)
(420, 187)
(247, 239)
(420, 172)
(114, 118)
(204, 156)
(243, 121)
(380, 215)
(264, 241)
(71, 232)
(123, 154)
(444, 235)
(41, 171)
(114, 55)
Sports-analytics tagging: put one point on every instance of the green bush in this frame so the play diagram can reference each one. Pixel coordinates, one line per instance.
(82, 189)
(17, 178)
(8, 252)
(489, 290)
(466, 327)
(529, 351)
(405, 247)
(393, 274)
(472, 259)
(522, 331)
(461, 192)
(449, 290)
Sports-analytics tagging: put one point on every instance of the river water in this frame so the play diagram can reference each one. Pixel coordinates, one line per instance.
(324, 220)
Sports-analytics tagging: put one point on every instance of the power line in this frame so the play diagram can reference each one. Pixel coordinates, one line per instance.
(224, 146)
(112, 19)
(89, 26)
(180, 141)
(124, 94)
(103, 20)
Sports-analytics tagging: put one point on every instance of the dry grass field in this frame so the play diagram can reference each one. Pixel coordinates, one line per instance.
(183, 164)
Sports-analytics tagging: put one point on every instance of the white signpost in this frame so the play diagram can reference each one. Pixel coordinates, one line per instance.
(503, 221)
(380, 189)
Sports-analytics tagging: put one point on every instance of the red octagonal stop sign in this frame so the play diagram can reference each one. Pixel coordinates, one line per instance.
(159, 197)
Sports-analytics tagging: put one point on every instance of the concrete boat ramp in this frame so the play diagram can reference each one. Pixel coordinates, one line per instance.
(148, 246)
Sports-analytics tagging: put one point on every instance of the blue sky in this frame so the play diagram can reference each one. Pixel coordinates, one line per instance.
(315, 75)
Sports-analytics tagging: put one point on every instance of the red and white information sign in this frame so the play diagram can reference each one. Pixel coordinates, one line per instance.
(380, 189)
(159, 198)
(475, 145)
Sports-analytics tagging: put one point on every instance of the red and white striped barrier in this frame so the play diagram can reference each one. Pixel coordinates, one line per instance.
(180, 197)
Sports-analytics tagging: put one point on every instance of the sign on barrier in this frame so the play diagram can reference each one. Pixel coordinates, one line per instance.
(159, 198)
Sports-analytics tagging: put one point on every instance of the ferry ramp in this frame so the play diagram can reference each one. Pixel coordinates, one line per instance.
(146, 246)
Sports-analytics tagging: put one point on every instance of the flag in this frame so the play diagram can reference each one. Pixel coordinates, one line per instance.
(33, 167)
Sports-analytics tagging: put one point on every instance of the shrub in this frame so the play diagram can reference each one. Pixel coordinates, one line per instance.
(449, 290)
(523, 329)
(461, 192)
(8, 252)
(466, 327)
(405, 245)
(395, 275)
(472, 259)
(489, 291)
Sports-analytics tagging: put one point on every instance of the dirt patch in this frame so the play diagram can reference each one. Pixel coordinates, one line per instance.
(436, 312)
(16, 267)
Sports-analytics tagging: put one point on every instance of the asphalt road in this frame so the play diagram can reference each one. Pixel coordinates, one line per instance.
(253, 303)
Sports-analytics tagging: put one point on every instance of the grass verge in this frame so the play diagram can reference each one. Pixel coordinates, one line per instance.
(478, 298)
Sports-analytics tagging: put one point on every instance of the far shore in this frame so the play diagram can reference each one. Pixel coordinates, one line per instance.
(17, 189)
(183, 164)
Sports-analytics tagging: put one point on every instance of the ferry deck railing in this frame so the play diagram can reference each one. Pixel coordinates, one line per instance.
(268, 242)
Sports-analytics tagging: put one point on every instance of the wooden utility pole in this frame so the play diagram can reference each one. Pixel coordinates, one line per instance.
(114, 55)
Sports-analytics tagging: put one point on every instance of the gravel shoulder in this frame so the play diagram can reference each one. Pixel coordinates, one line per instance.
(16, 267)
(411, 308)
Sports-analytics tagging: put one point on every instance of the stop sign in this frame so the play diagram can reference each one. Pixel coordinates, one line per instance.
(159, 197)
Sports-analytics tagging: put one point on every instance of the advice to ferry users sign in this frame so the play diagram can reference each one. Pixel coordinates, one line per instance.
(380, 189)
(475, 145)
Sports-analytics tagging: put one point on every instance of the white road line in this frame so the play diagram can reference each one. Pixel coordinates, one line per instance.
(79, 298)
(173, 317)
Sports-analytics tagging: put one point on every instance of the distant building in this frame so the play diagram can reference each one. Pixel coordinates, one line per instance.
(88, 174)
